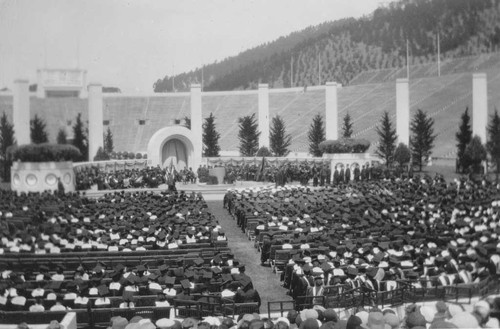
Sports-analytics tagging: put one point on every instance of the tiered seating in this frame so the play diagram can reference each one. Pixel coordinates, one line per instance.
(227, 109)
(364, 260)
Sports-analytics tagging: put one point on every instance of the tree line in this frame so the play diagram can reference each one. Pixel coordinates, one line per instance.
(344, 48)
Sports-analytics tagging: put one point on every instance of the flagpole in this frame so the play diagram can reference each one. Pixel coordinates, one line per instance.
(173, 79)
(291, 72)
(439, 56)
(319, 70)
(407, 60)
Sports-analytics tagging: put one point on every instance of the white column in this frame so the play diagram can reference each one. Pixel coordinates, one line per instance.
(21, 112)
(264, 115)
(331, 111)
(196, 126)
(83, 91)
(403, 111)
(479, 105)
(96, 130)
(40, 90)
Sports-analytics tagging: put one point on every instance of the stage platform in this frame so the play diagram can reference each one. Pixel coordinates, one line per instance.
(210, 192)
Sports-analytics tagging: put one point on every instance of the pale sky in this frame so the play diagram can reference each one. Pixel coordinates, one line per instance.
(130, 44)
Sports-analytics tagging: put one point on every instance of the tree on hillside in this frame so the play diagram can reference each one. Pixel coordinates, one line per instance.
(475, 153)
(80, 138)
(210, 137)
(493, 144)
(62, 137)
(387, 139)
(402, 154)
(6, 139)
(464, 137)
(347, 126)
(248, 135)
(422, 140)
(108, 141)
(316, 135)
(38, 133)
(279, 139)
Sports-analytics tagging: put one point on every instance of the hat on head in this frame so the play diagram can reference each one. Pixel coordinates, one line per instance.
(309, 324)
(330, 315)
(482, 308)
(392, 320)
(54, 324)
(465, 320)
(164, 323)
(188, 323)
(376, 320)
(428, 313)
(354, 322)
(118, 322)
(415, 319)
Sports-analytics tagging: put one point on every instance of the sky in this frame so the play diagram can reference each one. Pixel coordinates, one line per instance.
(131, 44)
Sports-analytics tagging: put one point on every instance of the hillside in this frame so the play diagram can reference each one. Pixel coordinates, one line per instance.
(345, 48)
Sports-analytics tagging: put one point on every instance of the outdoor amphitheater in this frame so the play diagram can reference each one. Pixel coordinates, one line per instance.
(417, 250)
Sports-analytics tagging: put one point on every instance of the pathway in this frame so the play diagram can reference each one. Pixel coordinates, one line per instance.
(265, 281)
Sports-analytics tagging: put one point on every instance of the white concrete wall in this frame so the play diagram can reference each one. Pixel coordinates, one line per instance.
(479, 105)
(403, 111)
(264, 115)
(331, 111)
(96, 130)
(41, 176)
(21, 112)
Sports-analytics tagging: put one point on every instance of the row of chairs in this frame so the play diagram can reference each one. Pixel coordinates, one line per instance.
(92, 317)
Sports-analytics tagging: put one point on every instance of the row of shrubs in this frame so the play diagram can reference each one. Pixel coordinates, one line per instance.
(127, 155)
(103, 155)
(344, 145)
(45, 152)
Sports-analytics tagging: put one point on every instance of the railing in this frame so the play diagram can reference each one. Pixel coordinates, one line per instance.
(338, 298)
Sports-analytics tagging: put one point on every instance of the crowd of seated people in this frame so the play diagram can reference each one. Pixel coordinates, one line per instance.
(374, 234)
(315, 173)
(120, 221)
(149, 177)
(219, 279)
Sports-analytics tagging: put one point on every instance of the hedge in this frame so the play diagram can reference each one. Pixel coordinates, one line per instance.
(345, 145)
(45, 152)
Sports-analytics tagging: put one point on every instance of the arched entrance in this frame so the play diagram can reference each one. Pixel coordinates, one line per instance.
(174, 146)
(174, 154)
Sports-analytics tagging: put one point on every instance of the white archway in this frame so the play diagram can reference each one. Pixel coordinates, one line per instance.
(166, 138)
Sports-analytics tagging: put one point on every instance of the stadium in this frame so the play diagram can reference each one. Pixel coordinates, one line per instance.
(135, 244)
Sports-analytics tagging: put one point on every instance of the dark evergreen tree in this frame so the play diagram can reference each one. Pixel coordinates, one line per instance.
(80, 138)
(6, 139)
(387, 139)
(475, 153)
(101, 155)
(464, 136)
(347, 126)
(62, 137)
(210, 137)
(280, 141)
(248, 135)
(316, 135)
(493, 144)
(422, 140)
(38, 133)
(402, 154)
(108, 141)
